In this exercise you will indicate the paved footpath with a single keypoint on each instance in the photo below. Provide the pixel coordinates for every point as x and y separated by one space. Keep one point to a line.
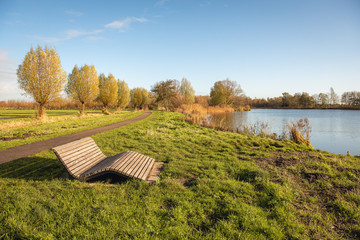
10 154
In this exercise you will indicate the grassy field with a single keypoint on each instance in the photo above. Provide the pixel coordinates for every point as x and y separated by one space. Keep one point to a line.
215 185
31 113
19 131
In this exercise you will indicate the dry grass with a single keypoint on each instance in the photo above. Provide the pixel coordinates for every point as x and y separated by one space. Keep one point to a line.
299 131
23 123
220 109
243 108
195 113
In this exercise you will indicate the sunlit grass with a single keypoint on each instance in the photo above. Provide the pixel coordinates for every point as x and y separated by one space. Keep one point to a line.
215 185
18 132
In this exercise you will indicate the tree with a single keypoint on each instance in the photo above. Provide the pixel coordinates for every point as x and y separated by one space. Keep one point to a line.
306 101
324 99
140 97
286 99
334 99
223 92
187 92
108 90
41 76
167 93
123 96
83 85
351 98
203 100
136 97
146 98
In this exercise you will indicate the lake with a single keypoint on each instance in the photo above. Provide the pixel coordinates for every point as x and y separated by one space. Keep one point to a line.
335 131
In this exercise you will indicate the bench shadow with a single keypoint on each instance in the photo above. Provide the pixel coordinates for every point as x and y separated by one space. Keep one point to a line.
110 178
42 169
33 168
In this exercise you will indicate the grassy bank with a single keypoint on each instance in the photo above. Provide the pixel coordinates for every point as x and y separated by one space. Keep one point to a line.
214 185
15 132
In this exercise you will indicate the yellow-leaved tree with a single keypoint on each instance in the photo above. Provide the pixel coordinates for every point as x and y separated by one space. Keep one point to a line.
187 92
123 97
41 76
140 97
136 97
108 90
83 85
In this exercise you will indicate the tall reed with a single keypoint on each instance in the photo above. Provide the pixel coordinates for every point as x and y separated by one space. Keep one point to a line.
298 131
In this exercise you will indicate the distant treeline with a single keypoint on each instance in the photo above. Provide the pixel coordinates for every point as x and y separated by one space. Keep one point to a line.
348 100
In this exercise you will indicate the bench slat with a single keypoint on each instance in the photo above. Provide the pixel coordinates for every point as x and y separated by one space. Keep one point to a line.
140 169
84 159
81 152
73 145
135 164
76 161
127 163
85 165
147 169
127 159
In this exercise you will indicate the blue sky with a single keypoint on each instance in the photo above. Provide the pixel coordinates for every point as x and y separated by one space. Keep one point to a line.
268 47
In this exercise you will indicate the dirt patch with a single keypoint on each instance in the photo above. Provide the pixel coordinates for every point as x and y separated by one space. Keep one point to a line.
345 169
284 162
311 177
186 182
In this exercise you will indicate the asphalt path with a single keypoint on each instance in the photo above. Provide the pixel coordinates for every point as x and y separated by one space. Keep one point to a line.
11 154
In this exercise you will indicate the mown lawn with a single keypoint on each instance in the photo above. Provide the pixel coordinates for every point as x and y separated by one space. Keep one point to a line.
215 185
15 132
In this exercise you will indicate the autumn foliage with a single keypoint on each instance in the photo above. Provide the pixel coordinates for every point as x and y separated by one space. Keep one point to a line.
41 76
83 85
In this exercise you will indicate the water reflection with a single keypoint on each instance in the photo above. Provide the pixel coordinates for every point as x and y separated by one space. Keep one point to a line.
221 120
336 131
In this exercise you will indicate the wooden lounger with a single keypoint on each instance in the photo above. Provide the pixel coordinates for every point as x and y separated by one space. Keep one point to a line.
84 160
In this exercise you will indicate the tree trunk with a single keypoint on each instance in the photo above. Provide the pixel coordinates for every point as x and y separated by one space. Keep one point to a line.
105 110
118 109
82 108
41 111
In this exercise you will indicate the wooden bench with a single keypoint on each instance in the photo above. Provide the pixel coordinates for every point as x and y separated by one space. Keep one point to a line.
84 160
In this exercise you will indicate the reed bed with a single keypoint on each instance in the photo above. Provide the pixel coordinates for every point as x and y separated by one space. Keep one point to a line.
298 131
219 109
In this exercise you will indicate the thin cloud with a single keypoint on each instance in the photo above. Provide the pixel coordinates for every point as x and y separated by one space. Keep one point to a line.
92 35
69 34
5 60
8 78
74 13
161 3
125 23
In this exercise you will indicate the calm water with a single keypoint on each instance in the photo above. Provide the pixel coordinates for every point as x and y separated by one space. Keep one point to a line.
335 131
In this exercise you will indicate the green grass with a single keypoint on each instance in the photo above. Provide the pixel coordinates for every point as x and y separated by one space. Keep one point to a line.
31 113
20 132
215 185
